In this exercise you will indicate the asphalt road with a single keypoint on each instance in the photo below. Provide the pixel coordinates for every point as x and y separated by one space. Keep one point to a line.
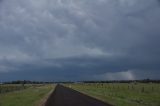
63 96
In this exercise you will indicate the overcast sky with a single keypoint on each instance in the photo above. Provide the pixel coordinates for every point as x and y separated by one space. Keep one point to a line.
64 40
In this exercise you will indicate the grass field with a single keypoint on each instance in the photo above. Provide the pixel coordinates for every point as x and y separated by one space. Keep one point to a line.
135 94
12 87
31 96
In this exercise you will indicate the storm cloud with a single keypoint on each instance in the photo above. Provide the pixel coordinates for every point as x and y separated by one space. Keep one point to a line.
79 39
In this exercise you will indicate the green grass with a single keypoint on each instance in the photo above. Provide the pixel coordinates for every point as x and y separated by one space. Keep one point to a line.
123 94
12 87
28 97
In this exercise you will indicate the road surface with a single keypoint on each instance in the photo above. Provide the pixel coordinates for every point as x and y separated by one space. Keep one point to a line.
63 96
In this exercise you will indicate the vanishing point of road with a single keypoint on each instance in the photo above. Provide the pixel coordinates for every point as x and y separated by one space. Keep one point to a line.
63 96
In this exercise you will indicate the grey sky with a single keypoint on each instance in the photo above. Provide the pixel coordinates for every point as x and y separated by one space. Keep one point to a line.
79 39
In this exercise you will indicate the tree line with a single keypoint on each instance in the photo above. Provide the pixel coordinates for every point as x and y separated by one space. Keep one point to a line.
107 81
124 81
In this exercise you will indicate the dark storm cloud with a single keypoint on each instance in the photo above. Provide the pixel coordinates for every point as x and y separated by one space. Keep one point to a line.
77 40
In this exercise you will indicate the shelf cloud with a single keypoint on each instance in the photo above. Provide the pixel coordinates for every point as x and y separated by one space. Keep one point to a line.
79 39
